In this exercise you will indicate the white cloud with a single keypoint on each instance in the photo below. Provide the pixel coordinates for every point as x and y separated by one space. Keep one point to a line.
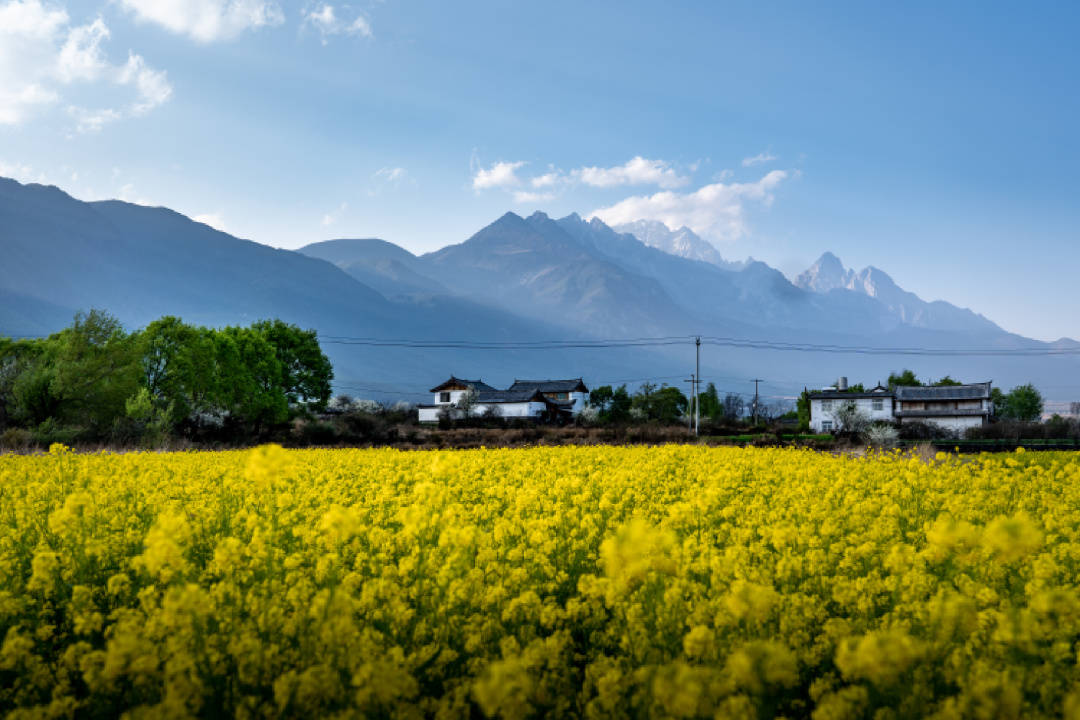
334 215
153 86
325 19
207 20
391 175
42 58
129 194
759 159
81 57
550 179
499 175
213 219
715 210
523 197
21 172
636 171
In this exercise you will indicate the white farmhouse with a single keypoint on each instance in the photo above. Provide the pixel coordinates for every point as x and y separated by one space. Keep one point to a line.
952 407
572 392
548 400
956 407
878 404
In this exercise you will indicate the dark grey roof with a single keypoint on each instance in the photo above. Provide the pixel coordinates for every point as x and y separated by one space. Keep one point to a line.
845 395
477 385
974 391
508 396
574 385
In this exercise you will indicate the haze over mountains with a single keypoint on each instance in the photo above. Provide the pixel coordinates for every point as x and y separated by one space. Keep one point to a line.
518 279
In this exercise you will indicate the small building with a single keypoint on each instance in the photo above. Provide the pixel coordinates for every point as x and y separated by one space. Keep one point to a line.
956 407
543 400
952 407
573 392
878 404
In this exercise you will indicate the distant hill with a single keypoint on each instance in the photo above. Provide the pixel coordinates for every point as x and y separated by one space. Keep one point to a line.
391 270
515 280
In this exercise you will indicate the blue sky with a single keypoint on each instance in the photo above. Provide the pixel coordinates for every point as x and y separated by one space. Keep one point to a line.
935 141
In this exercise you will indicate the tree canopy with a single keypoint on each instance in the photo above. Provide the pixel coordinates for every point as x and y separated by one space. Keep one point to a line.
96 381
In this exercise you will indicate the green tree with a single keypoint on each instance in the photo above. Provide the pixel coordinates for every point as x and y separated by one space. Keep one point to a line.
947 381
802 408
621 403
96 371
664 404
1024 403
306 372
905 378
600 398
711 406
249 377
178 367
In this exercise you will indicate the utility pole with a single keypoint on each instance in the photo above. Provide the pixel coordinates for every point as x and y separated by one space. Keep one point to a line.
697 384
690 415
756 381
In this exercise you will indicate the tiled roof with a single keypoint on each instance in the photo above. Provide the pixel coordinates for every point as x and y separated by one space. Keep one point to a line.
574 385
974 391
508 396
477 385
846 395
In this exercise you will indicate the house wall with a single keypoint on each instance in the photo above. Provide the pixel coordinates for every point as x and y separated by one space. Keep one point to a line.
513 410
823 420
579 399
506 410
955 423
455 395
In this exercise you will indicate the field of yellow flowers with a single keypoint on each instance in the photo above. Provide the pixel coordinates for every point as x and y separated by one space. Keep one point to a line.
567 582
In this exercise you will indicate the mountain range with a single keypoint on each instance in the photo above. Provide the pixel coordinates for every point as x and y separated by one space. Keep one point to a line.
517 279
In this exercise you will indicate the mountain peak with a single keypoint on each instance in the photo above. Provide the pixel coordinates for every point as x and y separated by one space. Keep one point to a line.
683 242
828 273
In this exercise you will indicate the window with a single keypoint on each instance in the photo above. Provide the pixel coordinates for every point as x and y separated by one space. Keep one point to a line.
826 404
444 397
877 404
827 425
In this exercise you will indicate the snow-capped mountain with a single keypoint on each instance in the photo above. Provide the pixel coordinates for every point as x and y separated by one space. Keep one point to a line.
683 242
829 274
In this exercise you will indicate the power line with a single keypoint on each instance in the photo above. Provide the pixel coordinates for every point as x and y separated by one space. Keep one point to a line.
746 343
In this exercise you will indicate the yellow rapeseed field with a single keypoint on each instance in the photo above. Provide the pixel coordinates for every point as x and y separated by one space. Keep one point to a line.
564 582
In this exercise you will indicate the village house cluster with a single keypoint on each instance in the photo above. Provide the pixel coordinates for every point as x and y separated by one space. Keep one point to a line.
954 407
544 400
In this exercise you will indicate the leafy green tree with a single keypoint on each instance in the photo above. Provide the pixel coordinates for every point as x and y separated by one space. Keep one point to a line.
1024 403
856 388
614 405
249 377
600 397
802 408
621 403
998 401
306 372
178 367
906 378
711 406
664 404
947 381
96 371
